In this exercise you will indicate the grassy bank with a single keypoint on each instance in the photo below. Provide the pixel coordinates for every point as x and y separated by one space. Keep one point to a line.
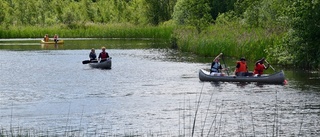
232 40
88 31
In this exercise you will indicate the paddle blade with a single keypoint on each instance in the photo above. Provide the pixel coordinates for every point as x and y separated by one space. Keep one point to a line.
85 61
89 61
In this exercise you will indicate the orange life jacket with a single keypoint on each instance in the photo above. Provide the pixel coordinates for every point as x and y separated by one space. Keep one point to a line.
243 67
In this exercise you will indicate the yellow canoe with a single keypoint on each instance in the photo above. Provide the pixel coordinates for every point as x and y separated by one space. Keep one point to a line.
52 42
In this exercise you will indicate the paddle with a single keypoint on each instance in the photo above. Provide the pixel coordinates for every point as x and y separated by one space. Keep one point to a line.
89 61
225 65
285 82
222 60
270 65
218 55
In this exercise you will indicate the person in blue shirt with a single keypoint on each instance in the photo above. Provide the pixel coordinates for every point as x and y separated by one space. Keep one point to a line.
93 55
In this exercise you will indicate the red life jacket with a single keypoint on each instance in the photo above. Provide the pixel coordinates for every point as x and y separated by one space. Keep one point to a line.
242 68
104 55
258 69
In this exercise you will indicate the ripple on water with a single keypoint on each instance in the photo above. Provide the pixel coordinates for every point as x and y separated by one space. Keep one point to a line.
144 92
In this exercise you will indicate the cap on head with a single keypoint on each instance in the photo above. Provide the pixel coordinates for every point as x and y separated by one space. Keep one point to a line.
242 59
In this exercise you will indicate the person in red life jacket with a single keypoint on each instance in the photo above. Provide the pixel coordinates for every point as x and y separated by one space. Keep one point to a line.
55 38
103 55
241 68
259 67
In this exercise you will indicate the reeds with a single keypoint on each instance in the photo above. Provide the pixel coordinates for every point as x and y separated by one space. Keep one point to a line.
218 121
89 31
196 112
232 40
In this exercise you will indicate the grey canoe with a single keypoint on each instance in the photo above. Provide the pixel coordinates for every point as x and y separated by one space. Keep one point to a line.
276 78
103 65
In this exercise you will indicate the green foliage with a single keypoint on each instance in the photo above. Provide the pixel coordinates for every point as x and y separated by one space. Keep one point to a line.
251 28
251 15
73 13
90 31
263 13
303 41
233 40
3 11
220 6
159 10
180 15
227 18
242 5
193 12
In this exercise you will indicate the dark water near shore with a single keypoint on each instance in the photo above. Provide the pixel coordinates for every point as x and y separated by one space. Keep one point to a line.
151 90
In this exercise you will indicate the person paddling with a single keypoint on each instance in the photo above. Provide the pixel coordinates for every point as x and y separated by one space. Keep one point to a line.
216 68
103 55
259 67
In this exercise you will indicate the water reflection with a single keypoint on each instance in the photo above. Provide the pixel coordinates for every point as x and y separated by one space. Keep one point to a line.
85 43
303 80
296 78
215 84
52 46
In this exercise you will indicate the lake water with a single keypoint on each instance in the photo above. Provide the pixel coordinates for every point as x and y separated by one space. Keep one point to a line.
151 90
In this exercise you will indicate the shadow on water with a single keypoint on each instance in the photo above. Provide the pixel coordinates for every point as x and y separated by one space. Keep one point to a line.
215 84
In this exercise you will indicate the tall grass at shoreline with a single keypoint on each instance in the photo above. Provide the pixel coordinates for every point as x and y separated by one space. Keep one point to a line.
232 40
89 31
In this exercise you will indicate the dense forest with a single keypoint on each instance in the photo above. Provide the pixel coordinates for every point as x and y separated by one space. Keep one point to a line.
287 31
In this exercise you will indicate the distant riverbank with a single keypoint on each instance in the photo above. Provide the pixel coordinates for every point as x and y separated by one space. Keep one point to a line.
232 40
90 31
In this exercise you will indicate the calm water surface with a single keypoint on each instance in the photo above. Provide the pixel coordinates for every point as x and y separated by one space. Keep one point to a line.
150 91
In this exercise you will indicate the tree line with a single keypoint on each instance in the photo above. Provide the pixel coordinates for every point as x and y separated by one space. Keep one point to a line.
296 22
77 12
